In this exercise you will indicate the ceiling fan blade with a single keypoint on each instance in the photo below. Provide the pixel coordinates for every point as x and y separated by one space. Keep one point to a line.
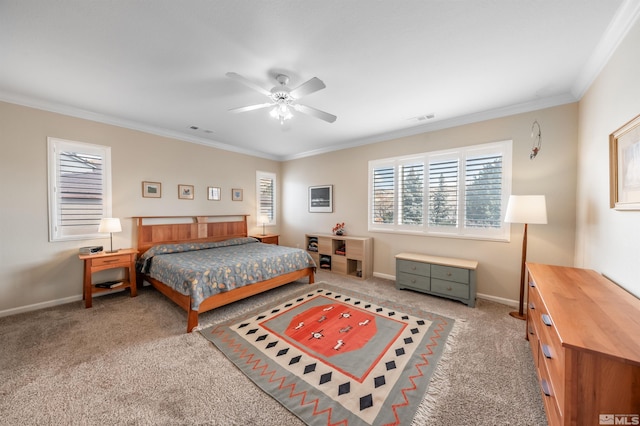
251 107
248 83
330 118
307 87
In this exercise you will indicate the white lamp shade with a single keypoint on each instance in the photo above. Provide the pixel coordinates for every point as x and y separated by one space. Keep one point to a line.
110 224
263 219
526 209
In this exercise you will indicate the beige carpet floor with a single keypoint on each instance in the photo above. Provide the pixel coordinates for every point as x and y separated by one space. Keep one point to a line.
128 361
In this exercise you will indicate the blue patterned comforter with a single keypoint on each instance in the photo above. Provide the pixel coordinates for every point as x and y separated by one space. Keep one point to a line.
201 270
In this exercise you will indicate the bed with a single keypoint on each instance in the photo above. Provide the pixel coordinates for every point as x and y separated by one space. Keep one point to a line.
204 262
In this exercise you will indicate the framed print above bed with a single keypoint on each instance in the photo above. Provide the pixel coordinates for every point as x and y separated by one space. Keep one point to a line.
151 189
213 193
185 192
321 199
624 166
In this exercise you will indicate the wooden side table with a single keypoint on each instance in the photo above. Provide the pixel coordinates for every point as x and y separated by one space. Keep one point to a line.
123 258
267 239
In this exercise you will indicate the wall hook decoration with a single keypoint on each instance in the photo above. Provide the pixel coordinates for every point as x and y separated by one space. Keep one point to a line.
537 143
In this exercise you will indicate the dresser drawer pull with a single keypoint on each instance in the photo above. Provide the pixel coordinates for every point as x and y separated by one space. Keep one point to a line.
532 284
110 260
413 281
448 274
546 319
545 387
546 351
413 268
532 306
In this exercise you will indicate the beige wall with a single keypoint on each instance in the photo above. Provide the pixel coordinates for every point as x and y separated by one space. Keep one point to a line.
36 271
571 170
552 173
608 240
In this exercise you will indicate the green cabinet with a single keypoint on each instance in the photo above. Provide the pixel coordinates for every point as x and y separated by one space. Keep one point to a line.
440 276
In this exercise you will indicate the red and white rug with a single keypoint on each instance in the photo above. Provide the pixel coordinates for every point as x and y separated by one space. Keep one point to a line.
335 357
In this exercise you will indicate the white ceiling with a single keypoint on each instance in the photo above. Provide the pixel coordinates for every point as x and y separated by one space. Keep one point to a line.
159 66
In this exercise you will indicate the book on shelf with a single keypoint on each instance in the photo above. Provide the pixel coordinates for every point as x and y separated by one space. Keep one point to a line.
110 284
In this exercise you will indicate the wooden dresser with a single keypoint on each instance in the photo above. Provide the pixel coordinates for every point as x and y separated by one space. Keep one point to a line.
584 332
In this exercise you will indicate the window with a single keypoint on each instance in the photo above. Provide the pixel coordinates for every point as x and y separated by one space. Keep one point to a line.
79 189
458 193
266 197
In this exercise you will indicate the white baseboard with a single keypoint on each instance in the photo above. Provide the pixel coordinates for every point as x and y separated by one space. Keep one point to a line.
37 306
502 300
384 276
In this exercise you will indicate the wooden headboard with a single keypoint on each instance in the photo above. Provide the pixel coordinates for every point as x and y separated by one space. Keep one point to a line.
153 230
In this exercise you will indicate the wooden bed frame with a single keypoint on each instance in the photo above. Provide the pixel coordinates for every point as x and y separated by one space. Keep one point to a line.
154 230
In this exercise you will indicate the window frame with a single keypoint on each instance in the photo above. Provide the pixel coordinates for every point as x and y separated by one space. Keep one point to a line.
460 230
58 231
260 175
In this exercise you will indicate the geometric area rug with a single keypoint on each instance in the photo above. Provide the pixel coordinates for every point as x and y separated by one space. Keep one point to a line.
337 357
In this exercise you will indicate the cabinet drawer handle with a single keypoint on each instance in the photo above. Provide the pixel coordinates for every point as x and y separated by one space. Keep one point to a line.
545 387
532 306
413 268
532 284
111 260
448 274
546 351
449 289
413 281
546 319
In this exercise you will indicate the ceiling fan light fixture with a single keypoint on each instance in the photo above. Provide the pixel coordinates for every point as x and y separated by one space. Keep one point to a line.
281 112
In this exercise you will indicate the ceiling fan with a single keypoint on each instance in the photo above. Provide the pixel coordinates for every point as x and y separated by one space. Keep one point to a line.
283 99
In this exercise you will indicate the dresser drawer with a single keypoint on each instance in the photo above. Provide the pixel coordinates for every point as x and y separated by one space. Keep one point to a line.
549 396
552 355
124 259
405 280
450 288
416 268
450 273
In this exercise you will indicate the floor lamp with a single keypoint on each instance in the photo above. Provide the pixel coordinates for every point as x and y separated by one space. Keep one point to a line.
525 209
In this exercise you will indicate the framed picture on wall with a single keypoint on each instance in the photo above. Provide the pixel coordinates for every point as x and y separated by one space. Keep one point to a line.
213 193
185 192
151 189
236 194
624 166
321 199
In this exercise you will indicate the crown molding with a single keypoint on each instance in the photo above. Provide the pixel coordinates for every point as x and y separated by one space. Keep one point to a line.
618 28
445 124
127 124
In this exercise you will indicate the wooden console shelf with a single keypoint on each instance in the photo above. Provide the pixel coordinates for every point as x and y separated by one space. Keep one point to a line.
584 332
342 254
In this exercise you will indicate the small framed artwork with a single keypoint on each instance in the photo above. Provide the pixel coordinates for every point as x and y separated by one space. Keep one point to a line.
151 189
624 166
185 192
213 193
321 199
236 194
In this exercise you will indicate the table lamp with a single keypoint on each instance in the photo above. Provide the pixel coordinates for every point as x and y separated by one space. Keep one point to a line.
110 225
525 209
264 219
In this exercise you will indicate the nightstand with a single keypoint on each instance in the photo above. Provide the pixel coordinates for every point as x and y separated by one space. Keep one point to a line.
267 239
123 258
